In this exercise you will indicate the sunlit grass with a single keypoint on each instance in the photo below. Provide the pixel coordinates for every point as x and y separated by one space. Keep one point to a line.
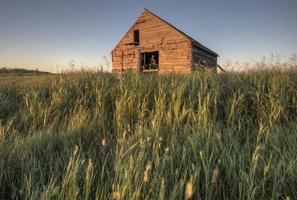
202 136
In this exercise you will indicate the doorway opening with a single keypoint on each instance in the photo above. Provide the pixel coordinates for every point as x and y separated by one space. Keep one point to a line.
149 61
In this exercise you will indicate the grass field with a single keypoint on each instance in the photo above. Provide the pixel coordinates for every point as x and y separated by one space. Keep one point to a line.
92 136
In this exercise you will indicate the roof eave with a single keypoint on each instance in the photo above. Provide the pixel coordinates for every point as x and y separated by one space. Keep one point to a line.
197 44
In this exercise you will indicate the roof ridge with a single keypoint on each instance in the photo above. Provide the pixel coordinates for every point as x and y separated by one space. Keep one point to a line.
189 37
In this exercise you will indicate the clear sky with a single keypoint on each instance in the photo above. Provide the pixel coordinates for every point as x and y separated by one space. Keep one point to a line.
51 33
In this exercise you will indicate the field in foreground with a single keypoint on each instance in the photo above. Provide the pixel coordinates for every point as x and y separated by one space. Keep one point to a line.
91 136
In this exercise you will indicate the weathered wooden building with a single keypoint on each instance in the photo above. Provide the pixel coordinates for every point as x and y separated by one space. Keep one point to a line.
154 45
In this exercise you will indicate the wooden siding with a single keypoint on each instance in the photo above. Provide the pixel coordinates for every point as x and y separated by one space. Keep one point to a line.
200 55
175 50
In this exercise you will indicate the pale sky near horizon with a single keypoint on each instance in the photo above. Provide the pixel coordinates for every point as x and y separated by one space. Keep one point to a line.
45 34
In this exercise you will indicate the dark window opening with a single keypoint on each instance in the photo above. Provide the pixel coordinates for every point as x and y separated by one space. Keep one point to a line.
200 62
203 63
150 61
136 37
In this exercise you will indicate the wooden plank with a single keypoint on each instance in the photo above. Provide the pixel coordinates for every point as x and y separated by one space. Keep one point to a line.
155 35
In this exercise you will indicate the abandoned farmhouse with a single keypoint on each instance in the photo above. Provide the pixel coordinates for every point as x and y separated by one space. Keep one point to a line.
152 45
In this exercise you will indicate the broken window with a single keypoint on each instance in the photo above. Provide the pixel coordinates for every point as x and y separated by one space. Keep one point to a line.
203 63
136 37
149 61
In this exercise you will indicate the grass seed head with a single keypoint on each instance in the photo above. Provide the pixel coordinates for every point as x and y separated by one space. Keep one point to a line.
288 198
201 155
255 159
215 174
76 148
167 150
266 169
189 189
116 195
262 129
147 172
103 142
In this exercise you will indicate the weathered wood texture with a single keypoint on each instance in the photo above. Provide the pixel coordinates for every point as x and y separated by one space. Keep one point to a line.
203 61
176 51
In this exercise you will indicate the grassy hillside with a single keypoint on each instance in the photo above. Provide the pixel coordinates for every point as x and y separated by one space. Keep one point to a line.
16 72
91 136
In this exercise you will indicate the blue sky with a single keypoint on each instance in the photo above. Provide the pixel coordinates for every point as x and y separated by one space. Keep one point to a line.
51 33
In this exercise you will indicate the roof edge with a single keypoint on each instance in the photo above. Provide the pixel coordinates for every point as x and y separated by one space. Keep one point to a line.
194 42
128 30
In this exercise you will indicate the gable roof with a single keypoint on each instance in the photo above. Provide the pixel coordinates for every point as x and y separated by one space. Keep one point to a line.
194 42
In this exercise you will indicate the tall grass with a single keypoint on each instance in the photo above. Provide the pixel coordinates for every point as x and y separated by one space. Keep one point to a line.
92 136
